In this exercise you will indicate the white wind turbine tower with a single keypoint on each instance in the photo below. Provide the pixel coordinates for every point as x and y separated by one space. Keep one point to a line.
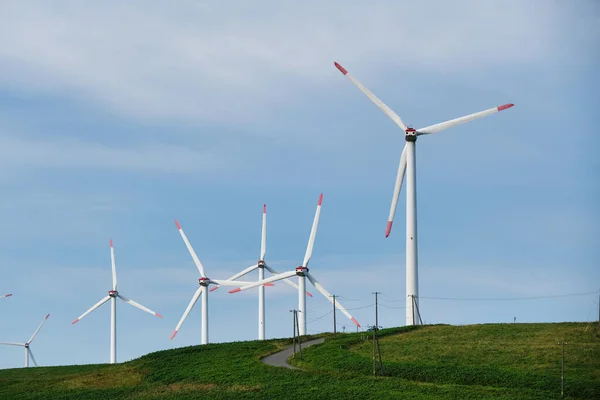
28 353
201 291
112 296
261 266
302 273
408 166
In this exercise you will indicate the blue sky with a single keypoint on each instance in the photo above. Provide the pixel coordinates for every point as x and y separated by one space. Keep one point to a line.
115 119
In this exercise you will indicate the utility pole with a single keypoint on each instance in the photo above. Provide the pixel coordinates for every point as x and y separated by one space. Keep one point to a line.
294 331
377 363
334 323
415 306
298 332
376 309
562 370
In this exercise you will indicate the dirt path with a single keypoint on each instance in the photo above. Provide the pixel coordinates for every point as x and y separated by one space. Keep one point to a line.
280 358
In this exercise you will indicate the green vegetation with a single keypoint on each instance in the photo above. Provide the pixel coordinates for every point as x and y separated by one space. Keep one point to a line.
525 357
508 361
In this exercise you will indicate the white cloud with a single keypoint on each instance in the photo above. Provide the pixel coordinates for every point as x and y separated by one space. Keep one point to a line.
72 153
214 61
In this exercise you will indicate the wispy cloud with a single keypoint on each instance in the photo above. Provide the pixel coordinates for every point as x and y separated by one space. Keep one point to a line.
198 60
72 153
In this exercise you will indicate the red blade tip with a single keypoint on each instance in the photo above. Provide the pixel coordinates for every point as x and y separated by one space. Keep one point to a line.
342 69
308 293
269 284
356 322
47 316
320 199
8 295
388 229
173 335
264 208
235 290
75 321
505 106
177 225
111 245
158 315
213 288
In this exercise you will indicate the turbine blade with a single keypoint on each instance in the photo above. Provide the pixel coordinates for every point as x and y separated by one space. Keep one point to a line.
388 111
289 282
5 295
114 267
32 358
397 188
12 344
457 121
238 275
187 310
313 233
263 241
191 250
222 282
327 295
264 281
38 329
138 305
98 304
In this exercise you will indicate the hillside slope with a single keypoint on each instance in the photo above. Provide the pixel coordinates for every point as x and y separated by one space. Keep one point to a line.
341 369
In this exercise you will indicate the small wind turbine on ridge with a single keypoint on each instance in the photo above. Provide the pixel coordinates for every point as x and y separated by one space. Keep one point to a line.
408 166
204 282
302 273
112 296
28 353
261 266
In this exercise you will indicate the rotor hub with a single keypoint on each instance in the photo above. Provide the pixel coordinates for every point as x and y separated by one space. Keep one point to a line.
261 263
113 293
300 271
410 135
204 281
26 345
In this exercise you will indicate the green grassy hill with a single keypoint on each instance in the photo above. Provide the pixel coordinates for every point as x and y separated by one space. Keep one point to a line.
492 361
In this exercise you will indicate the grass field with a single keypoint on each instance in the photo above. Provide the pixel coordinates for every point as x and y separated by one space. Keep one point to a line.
495 361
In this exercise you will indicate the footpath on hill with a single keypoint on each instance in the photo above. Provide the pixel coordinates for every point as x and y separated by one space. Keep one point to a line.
280 358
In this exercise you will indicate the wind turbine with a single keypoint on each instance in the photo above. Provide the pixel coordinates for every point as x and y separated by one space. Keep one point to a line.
202 290
261 266
28 353
302 273
112 296
408 166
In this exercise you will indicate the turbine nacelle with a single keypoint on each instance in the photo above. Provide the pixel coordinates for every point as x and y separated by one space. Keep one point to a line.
410 135
261 263
301 271
204 281
113 293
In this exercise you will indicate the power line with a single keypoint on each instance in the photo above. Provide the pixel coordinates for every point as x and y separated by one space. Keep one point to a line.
507 298
383 305
321 317
359 308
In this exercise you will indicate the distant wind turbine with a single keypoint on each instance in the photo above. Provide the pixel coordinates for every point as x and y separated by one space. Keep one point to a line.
302 273
28 353
112 296
204 283
261 266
